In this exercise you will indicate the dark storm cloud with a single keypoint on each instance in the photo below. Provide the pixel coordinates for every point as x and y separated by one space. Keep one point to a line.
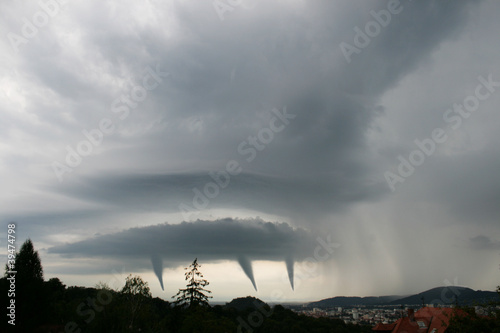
220 240
323 170
466 185
228 239
484 243
404 44
299 198
225 79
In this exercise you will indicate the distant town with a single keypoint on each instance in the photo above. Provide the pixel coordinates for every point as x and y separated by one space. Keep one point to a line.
404 314
362 314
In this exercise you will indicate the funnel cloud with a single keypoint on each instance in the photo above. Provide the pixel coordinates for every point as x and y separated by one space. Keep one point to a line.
81 156
158 268
289 268
176 244
246 265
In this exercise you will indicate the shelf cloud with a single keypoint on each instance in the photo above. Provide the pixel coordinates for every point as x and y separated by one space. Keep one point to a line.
117 116
178 244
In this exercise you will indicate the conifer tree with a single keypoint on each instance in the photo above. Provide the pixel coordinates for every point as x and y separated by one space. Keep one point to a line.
194 293
31 305
28 264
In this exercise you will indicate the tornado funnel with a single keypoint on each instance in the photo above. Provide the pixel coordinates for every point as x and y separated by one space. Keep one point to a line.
158 268
246 265
289 268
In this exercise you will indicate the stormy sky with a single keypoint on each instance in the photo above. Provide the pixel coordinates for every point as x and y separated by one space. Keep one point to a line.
336 147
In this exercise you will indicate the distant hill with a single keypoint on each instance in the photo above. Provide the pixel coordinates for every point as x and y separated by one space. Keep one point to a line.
446 295
245 303
353 300
439 295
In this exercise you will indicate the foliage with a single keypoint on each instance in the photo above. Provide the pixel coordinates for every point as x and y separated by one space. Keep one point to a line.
467 319
103 286
245 303
57 308
28 264
30 297
71 305
194 293
135 286
136 292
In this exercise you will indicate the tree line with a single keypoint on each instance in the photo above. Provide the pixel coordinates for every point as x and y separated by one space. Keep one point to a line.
50 306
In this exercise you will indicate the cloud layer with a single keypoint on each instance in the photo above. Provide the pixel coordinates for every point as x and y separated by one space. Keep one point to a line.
228 239
122 115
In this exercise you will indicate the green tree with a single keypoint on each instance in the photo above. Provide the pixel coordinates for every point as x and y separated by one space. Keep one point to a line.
53 291
31 305
135 286
103 286
194 293
137 293
27 264
465 319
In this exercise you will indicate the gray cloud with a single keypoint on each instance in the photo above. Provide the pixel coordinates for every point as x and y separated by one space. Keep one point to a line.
228 239
295 198
324 171
320 162
483 243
